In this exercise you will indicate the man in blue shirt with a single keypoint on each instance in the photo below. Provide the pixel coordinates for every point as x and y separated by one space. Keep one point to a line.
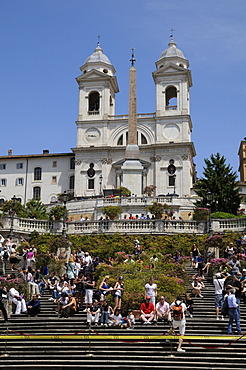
233 312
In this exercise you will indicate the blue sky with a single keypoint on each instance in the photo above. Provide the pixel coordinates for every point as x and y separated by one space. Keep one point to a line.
44 42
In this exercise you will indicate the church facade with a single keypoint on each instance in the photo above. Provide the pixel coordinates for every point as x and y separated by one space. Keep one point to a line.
100 161
163 138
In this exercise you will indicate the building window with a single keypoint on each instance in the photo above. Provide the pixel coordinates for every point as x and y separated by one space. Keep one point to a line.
172 180
2 166
36 193
3 182
91 184
54 180
37 173
1 201
19 165
19 181
171 98
71 182
53 199
123 139
72 163
94 102
54 164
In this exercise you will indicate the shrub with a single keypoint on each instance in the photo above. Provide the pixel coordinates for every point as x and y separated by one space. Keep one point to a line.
222 215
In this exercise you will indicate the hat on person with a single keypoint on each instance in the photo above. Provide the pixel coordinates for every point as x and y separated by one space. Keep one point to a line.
218 275
86 253
244 270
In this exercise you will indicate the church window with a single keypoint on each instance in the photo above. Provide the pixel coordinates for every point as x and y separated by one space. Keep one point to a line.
72 163
91 183
111 101
1 201
54 164
143 139
181 65
94 102
37 173
171 98
36 192
91 172
120 140
71 182
105 70
171 181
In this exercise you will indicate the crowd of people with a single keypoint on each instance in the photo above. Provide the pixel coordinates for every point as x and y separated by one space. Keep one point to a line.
76 289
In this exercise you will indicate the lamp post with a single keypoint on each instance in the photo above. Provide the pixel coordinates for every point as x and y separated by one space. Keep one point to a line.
100 185
64 198
14 201
209 204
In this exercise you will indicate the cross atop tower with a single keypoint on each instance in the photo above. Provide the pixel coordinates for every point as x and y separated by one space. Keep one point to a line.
133 57
98 40
172 33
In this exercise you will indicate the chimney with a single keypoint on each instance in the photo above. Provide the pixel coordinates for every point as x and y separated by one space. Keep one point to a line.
46 151
10 152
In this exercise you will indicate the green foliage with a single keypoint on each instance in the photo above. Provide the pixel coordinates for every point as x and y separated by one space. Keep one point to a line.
220 181
124 192
57 213
200 214
35 209
157 209
223 215
112 211
8 206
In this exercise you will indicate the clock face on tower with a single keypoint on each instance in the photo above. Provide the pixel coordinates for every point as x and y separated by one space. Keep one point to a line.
92 135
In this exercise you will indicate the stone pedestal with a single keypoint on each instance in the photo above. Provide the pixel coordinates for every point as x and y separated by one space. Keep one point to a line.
132 171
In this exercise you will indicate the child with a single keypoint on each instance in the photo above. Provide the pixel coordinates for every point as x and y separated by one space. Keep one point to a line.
130 320
189 304
116 318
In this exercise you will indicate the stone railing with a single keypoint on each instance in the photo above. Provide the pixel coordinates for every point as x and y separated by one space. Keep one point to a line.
26 226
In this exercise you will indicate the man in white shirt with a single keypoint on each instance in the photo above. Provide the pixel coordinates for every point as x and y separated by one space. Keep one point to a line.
233 312
162 310
219 282
20 302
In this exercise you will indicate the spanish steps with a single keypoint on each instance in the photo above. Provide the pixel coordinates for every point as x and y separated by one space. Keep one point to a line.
112 352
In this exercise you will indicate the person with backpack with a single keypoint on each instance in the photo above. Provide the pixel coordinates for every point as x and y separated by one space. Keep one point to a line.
4 258
178 311
219 282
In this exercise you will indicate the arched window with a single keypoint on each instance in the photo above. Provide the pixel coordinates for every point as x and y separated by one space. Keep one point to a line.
171 98
53 199
1 200
72 163
123 139
94 102
37 173
71 182
36 192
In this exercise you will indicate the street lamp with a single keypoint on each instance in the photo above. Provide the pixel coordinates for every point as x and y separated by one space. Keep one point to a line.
209 204
64 197
14 201
100 185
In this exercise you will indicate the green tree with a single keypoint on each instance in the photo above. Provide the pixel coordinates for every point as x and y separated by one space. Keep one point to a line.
35 209
57 213
8 206
157 209
220 181
112 211
124 192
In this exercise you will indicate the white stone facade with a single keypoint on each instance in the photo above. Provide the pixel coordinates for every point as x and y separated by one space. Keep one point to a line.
98 160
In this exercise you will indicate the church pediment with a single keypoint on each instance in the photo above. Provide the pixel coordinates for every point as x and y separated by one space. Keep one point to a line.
93 74
170 68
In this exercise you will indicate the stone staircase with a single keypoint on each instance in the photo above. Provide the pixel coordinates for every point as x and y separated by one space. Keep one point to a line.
61 353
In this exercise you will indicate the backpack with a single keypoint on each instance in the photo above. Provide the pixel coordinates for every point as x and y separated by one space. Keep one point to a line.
178 312
225 308
5 255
